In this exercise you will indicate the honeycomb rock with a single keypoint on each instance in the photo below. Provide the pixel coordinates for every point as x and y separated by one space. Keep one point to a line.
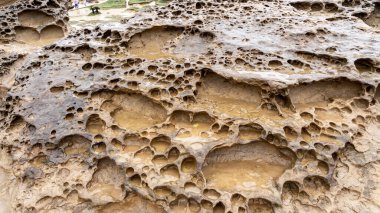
198 106
37 22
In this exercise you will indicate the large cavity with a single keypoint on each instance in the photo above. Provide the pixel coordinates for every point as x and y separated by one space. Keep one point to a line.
244 167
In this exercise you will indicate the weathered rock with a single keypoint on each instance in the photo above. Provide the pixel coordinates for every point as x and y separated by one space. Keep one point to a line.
200 106
36 22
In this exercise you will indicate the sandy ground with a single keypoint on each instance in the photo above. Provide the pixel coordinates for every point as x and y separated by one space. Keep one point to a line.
80 18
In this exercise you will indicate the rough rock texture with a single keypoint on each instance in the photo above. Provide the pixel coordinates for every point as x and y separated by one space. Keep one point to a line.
33 21
200 106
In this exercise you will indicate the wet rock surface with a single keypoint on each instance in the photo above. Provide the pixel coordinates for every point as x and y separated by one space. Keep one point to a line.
199 106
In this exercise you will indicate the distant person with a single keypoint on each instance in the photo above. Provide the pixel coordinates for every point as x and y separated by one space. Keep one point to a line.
76 4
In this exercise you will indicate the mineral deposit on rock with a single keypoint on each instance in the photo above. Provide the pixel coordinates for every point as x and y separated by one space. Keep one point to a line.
199 106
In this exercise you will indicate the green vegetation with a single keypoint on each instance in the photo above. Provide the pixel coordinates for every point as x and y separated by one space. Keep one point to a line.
162 2
110 4
133 8
131 2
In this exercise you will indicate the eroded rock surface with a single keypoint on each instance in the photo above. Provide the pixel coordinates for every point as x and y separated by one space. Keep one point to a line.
199 106
35 22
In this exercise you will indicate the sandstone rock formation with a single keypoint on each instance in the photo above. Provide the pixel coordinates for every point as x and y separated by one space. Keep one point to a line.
33 21
199 106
